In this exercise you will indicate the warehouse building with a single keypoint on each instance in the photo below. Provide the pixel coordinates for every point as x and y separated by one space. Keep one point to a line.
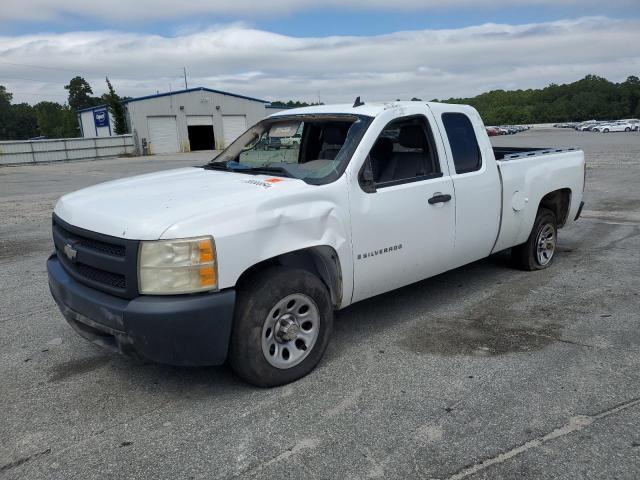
193 119
95 122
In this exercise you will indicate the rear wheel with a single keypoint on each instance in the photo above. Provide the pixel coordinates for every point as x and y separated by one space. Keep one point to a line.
538 251
606 130
282 326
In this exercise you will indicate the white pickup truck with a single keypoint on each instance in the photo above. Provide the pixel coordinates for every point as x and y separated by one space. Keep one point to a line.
246 258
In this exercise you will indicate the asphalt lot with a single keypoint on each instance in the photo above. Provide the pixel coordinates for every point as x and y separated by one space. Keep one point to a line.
483 372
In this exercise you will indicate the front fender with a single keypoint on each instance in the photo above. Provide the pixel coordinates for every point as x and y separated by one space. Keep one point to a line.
248 234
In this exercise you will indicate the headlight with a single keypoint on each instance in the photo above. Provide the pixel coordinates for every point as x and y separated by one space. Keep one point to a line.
168 267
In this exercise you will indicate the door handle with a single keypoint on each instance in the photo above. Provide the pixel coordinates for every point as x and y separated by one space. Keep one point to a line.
439 198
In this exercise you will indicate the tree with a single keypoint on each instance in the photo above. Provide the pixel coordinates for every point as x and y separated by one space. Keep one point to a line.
23 123
55 120
632 93
5 112
80 94
592 97
292 104
17 122
114 102
5 97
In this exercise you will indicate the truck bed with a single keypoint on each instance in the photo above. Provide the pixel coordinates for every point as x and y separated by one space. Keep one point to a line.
512 153
527 175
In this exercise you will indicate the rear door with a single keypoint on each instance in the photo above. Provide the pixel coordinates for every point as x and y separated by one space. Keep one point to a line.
475 179
403 220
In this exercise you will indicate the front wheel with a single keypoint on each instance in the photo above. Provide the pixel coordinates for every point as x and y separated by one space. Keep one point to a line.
538 251
627 129
282 326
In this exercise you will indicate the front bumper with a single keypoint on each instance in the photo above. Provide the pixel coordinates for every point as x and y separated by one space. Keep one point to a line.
185 330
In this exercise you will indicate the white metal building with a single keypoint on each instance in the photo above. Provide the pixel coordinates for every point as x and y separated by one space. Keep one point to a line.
193 119
95 122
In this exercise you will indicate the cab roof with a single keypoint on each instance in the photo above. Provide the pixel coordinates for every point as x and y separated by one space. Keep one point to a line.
368 109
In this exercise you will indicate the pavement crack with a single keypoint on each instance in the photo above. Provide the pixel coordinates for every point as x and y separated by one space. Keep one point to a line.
560 339
576 423
614 243
304 444
23 460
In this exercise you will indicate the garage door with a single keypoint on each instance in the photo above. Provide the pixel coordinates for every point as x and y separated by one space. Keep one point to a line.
163 134
233 126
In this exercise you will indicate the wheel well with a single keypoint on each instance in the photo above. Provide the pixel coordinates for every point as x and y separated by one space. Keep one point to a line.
322 261
558 202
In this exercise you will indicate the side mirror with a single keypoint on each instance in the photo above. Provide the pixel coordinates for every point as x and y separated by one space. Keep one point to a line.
366 180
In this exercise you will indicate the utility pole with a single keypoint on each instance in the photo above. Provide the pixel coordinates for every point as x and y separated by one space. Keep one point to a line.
184 69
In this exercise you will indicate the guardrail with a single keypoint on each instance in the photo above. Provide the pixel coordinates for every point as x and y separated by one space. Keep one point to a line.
18 152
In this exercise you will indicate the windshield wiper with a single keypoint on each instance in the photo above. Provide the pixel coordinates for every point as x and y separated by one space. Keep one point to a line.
216 166
230 166
270 170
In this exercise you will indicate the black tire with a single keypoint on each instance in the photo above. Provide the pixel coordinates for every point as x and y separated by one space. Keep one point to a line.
256 299
606 130
525 256
627 129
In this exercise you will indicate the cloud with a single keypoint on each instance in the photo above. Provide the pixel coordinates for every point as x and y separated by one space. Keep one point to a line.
425 63
128 10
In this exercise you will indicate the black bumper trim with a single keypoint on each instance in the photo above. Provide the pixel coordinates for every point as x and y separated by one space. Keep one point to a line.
185 330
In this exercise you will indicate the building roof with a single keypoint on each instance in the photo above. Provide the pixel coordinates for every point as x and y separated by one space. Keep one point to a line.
96 107
195 89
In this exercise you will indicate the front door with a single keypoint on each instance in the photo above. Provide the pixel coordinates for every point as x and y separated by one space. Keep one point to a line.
403 220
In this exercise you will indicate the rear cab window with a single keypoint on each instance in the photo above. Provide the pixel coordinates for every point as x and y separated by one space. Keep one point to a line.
463 142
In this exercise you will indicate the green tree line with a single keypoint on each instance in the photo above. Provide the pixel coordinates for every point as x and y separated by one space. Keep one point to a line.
21 121
591 98
292 104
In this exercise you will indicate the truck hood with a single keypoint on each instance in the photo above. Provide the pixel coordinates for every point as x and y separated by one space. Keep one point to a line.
145 206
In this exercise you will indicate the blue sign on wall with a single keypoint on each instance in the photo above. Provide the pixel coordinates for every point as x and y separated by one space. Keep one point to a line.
101 118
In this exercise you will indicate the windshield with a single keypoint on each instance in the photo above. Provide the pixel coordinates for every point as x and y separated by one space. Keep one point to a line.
313 148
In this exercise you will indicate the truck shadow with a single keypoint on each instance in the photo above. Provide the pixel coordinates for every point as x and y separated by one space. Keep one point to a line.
510 319
428 318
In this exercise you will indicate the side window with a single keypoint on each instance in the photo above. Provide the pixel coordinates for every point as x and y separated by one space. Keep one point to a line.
404 152
463 141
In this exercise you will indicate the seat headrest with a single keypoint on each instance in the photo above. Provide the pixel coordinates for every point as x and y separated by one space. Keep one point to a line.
333 135
412 136
382 146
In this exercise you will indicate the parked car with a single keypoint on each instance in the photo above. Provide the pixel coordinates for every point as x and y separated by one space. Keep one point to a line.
613 127
493 131
246 261
268 143
291 142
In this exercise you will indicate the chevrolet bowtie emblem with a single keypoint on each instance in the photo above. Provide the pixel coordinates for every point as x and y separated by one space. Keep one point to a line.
70 252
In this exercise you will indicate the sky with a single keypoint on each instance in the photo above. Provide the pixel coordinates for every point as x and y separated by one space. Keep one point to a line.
331 50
